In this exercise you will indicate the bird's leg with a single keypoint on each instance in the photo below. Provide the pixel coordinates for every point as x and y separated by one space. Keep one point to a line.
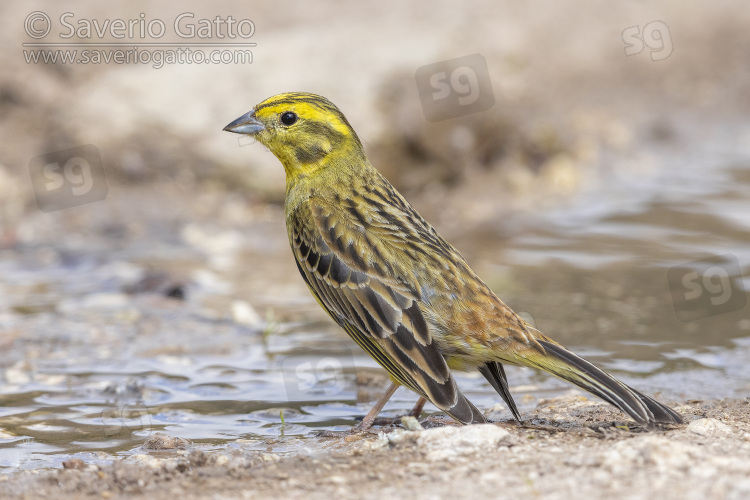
366 422
417 410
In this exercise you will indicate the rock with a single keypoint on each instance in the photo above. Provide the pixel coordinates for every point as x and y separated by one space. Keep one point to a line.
157 282
411 424
161 441
710 427
447 443
74 463
382 442
654 452
198 458
147 461
244 314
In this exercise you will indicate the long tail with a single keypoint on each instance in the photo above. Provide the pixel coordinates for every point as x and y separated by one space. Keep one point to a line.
573 368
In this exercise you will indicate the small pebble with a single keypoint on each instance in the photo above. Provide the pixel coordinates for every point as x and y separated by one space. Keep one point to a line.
411 424
161 441
709 427
74 463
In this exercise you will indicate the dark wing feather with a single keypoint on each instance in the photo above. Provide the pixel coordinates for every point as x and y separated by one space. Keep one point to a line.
379 310
495 375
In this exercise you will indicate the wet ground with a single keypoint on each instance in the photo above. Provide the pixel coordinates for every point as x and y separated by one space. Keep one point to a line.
567 447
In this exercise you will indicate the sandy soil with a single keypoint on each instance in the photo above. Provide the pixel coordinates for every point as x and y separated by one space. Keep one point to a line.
567 447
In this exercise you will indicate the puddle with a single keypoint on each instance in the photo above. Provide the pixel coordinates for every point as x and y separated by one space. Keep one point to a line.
88 370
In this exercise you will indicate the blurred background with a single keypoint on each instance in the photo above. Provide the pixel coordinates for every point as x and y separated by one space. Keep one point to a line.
591 161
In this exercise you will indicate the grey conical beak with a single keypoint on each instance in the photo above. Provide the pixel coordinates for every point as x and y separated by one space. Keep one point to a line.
245 124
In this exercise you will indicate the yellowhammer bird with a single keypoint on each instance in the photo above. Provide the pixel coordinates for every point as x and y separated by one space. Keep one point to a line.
400 291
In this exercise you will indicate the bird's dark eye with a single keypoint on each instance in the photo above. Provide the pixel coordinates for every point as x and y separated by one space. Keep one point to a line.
288 118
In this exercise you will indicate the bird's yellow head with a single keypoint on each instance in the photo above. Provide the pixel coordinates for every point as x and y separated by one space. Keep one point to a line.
304 131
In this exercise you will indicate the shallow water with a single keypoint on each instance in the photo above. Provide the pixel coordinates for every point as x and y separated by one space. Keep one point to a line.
92 371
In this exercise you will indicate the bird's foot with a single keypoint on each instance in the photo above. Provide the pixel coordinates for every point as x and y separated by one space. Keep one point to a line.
358 431
389 421
347 434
